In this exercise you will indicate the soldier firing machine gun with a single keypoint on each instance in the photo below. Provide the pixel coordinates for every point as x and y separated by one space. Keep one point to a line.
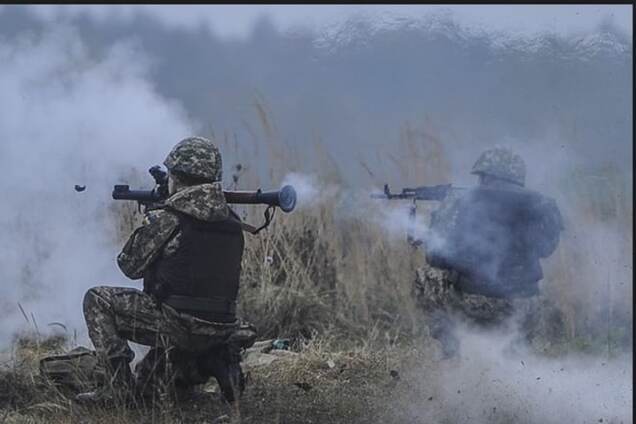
437 192
285 198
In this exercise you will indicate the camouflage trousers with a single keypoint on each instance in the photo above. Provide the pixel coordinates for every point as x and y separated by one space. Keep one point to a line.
115 315
444 307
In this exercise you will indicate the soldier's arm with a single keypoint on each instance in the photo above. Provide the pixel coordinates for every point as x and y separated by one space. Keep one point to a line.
547 228
145 243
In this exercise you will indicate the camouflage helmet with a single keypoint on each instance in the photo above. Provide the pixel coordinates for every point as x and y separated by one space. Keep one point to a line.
503 163
196 157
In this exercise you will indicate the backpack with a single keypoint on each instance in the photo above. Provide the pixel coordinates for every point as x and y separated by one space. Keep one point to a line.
78 369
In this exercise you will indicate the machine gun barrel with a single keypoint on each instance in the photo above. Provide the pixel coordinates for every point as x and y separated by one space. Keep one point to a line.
437 192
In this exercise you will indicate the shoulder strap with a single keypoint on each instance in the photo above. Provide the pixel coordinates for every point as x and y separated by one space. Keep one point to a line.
268 214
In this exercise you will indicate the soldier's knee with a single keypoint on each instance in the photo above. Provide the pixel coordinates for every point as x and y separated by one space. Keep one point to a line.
92 298
92 293
97 290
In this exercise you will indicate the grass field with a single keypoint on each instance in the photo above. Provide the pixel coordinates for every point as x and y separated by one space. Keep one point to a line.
339 285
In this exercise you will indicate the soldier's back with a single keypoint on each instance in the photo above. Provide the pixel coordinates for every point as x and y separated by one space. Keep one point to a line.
493 237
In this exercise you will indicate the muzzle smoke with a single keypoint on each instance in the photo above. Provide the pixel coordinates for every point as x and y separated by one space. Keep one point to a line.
309 192
69 119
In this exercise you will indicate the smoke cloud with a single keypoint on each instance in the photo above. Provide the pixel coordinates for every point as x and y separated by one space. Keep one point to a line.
309 191
487 384
92 102
69 119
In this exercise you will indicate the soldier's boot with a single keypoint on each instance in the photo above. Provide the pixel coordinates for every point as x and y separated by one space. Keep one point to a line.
152 375
119 390
224 365
231 381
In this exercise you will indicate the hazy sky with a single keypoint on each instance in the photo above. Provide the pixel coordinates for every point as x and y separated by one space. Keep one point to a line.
235 20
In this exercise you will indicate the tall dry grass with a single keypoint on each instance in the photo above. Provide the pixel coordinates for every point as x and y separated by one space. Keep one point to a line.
591 272
318 271
311 274
345 281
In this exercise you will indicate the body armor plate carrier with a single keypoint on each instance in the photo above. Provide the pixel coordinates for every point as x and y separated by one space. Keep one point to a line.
202 277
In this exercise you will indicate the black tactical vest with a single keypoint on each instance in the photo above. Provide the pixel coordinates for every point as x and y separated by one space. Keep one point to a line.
202 277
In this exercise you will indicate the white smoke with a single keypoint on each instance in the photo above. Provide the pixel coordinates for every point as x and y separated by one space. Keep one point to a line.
392 216
310 192
488 384
396 218
68 118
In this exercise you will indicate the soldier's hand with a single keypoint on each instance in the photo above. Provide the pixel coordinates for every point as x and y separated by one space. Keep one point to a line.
150 216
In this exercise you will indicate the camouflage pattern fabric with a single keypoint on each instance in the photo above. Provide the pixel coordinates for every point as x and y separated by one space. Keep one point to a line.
540 323
189 347
159 236
205 202
185 350
501 162
145 243
434 290
196 156
443 306
117 314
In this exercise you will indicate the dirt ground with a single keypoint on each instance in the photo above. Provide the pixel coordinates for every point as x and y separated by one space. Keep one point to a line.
397 384
319 384
313 386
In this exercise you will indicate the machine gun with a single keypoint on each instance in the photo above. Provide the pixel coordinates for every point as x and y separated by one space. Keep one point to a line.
285 198
437 192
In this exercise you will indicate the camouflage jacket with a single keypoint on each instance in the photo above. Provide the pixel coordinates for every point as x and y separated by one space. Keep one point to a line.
159 233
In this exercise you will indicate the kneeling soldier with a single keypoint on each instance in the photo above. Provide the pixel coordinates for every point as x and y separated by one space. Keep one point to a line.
188 252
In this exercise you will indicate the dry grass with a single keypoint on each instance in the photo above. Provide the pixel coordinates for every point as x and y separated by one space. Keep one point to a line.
321 384
317 271
341 289
310 274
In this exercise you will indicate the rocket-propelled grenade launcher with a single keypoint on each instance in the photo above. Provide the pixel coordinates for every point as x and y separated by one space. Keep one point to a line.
285 198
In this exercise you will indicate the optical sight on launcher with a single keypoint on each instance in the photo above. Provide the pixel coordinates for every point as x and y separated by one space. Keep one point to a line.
285 198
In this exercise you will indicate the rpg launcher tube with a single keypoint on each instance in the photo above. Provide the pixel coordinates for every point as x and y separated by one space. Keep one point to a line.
285 198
